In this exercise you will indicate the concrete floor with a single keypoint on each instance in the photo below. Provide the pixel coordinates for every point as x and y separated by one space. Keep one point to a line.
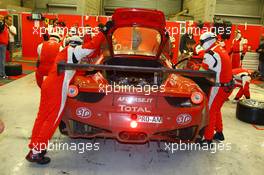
18 106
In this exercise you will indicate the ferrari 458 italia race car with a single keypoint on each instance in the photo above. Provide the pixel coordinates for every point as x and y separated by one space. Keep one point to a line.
132 92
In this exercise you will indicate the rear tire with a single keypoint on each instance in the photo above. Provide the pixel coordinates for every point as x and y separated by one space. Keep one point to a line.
62 128
250 111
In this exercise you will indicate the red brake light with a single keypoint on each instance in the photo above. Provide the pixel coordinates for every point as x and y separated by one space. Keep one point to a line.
197 97
134 117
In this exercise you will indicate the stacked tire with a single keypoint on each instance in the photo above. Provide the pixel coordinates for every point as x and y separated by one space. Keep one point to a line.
250 111
13 69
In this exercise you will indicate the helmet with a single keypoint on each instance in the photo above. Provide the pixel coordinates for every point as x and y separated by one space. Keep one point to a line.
55 36
75 41
207 39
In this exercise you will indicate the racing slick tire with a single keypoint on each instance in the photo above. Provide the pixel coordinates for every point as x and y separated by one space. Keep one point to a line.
250 111
13 69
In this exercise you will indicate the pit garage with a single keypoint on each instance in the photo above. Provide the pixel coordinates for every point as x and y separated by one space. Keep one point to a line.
131 87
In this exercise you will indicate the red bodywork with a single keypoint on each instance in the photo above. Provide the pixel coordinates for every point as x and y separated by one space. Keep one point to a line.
133 117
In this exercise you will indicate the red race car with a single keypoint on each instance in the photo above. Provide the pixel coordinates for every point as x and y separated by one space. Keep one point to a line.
131 92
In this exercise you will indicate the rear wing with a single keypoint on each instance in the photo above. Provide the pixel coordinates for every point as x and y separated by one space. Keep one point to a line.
209 75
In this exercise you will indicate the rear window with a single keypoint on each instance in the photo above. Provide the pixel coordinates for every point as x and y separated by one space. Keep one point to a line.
136 41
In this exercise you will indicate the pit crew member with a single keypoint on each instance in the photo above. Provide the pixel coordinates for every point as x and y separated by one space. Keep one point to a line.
47 52
54 95
216 59
242 78
238 49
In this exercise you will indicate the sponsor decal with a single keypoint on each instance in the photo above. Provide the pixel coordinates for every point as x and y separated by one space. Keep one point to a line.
131 100
125 108
149 119
184 119
83 112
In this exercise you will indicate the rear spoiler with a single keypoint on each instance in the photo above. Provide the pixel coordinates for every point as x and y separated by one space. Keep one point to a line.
62 66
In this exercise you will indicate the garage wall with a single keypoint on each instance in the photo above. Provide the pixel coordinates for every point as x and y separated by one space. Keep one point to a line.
4 3
167 6
15 5
90 7
238 11
57 6
200 9
83 7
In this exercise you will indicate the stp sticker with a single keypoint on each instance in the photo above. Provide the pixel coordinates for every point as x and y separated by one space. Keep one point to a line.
83 112
184 119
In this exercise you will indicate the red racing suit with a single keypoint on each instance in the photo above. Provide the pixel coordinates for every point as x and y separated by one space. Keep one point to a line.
217 59
47 51
238 50
242 80
54 93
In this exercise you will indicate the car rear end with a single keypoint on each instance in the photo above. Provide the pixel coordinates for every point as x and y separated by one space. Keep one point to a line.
171 113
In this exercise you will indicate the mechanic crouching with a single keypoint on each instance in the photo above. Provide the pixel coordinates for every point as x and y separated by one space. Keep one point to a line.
242 78
54 94
216 59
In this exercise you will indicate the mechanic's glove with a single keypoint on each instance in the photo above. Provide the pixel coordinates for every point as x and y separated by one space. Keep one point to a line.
105 28
242 56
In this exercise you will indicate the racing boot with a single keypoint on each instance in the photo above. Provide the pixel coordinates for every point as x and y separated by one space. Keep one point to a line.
38 158
43 152
219 136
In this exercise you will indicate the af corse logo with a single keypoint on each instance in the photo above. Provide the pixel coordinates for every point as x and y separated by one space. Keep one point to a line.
83 112
184 119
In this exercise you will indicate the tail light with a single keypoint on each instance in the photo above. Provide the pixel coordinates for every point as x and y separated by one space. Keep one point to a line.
133 124
73 91
197 97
